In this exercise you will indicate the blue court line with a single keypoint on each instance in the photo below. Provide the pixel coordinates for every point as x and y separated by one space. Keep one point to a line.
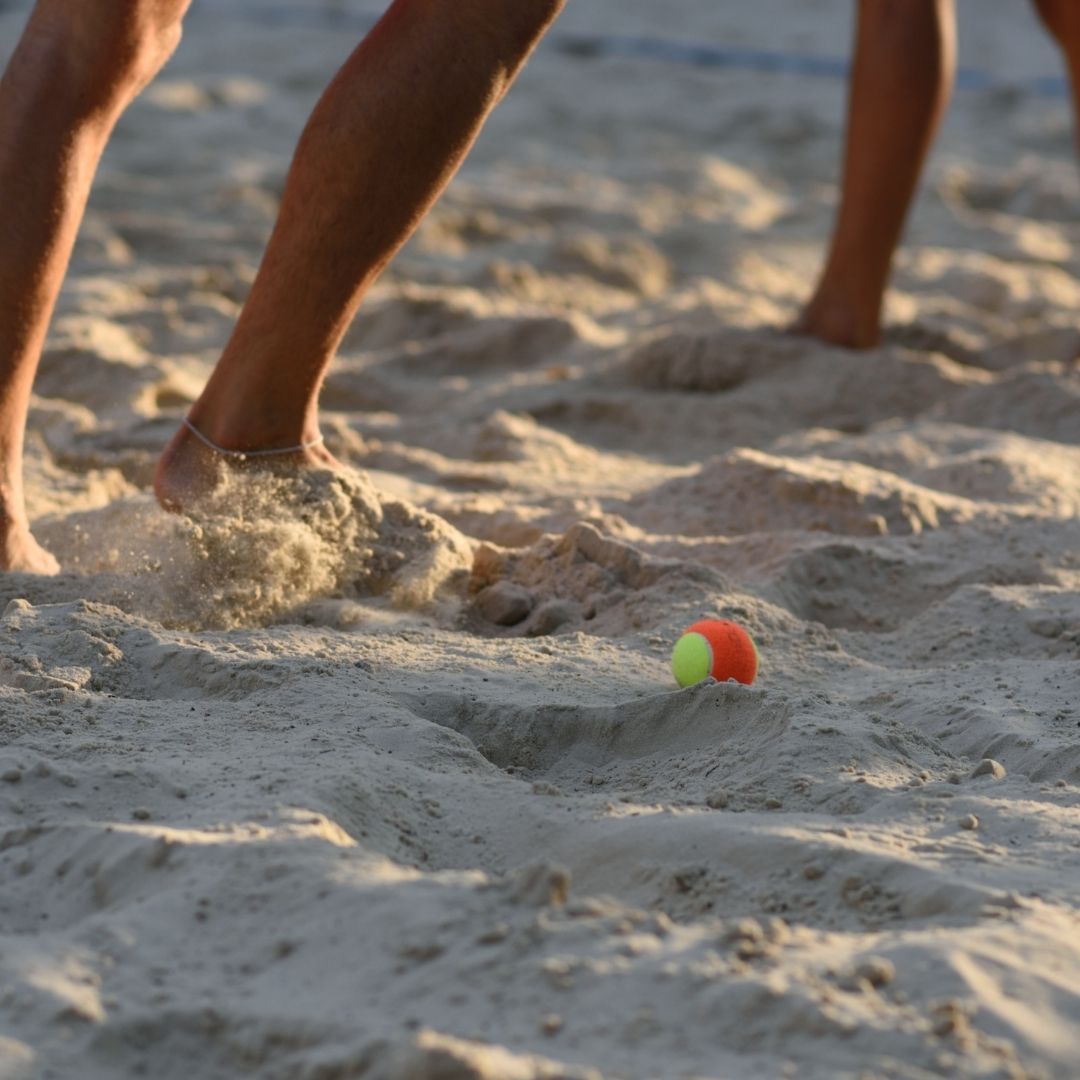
661 50
696 54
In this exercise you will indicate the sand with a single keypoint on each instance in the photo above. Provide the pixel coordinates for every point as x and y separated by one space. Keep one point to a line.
395 782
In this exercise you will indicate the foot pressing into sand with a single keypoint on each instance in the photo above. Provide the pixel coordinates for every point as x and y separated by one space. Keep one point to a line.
19 551
190 471
838 318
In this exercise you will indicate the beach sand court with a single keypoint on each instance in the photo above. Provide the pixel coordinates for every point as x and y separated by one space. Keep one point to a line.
395 782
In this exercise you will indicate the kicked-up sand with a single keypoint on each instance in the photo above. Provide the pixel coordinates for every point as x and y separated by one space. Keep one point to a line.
387 778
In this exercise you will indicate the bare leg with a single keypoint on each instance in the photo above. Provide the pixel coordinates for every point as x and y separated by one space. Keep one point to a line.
1062 19
382 144
901 80
73 72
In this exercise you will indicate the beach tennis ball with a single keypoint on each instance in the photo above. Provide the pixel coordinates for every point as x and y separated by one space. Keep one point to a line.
714 647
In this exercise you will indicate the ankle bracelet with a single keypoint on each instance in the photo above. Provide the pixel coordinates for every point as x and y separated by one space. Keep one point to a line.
249 453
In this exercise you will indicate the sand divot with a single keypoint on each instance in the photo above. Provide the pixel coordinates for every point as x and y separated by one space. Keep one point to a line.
691 741
1042 400
1031 189
838 585
711 363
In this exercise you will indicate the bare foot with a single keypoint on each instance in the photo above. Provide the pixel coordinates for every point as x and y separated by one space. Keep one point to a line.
20 552
189 472
838 322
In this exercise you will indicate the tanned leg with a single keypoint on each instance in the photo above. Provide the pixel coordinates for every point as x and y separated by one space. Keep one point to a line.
905 55
73 72
1062 19
382 144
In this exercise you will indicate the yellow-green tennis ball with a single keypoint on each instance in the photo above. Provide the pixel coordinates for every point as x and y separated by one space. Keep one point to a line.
691 659
714 647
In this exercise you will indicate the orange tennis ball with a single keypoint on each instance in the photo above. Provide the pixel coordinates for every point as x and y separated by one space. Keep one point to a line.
714 647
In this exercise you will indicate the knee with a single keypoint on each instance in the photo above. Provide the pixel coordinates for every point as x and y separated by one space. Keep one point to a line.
122 41
141 35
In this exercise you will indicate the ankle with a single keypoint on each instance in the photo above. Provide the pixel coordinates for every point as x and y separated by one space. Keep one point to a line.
256 429
251 450
12 508
842 318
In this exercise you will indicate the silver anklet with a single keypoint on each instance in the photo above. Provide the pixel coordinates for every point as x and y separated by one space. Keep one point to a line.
249 453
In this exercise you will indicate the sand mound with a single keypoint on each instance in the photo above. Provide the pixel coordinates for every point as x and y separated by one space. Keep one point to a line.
749 491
